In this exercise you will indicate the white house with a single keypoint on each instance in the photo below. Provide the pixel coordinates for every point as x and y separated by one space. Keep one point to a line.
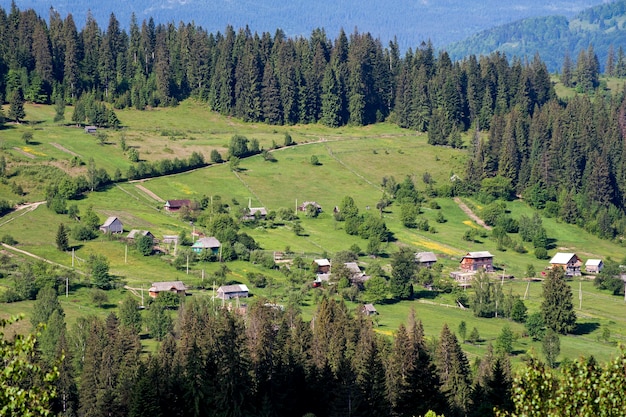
594 266
226 292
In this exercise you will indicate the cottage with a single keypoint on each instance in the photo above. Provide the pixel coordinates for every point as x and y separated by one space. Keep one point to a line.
304 206
206 244
321 266
175 205
136 234
569 262
475 261
357 276
112 225
254 213
369 310
176 287
425 259
594 266
91 129
226 292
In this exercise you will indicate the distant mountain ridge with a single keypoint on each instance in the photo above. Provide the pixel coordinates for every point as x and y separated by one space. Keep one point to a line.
410 22
552 37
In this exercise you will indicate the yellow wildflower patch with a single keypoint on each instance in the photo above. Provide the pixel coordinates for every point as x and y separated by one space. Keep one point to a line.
470 224
385 332
31 151
434 246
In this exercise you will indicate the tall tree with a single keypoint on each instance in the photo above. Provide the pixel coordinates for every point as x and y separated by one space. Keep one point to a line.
403 273
557 307
16 106
454 373
62 240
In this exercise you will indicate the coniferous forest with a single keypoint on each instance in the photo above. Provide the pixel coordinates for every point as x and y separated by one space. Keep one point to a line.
566 157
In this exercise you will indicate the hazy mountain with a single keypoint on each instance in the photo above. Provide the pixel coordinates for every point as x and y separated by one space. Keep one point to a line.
441 21
601 26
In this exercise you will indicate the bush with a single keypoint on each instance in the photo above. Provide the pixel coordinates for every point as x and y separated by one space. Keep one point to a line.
9 240
541 253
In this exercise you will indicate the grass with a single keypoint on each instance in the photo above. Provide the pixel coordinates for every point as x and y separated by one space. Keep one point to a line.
353 161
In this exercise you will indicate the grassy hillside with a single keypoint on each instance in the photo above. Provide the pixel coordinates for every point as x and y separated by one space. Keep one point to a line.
352 162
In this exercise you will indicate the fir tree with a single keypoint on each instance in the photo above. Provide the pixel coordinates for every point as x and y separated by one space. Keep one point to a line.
16 106
557 307
62 240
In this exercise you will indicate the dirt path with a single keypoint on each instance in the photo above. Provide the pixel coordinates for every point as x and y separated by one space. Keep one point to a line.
26 154
470 213
64 149
27 208
150 193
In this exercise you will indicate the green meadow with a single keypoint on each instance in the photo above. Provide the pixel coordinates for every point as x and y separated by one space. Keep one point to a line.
352 162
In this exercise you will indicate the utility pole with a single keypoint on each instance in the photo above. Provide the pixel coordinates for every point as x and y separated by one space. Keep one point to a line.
125 254
67 286
187 264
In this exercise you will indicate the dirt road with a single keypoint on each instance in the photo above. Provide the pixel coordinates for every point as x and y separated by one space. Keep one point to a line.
470 213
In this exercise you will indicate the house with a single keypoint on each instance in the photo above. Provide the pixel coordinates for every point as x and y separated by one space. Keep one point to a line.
206 244
226 292
91 129
594 266
475 261
175 205
321 266
304 206
170 239
369 310
136 234
425 259
176 287
569 262
112 225
463 278
357 276
254 213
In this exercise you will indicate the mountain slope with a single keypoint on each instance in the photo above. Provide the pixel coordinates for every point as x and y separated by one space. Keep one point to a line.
411 22
552 37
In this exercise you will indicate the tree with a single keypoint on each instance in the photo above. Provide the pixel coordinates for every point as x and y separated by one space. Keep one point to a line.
504 342
216 157
463 330
158 321
551 347
145 245
474 336
403 273
557 307
16 106
47 303
375 289
519 312
25 388
59 108
62 240
99 269
454 372
27 137
129 314
535 326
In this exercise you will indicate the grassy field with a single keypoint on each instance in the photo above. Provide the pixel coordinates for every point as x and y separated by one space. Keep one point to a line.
353 162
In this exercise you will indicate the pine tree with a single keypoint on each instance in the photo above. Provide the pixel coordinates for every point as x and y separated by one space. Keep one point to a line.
557 307
62 240
16 106
403 273
454 373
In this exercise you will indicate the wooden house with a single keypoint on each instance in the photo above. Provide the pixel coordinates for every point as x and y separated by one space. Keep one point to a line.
357 276
321 266
569 262
254 213
304 206
594 266
226 292
475 261
170 239
175 205
425 259
136 234
206 244
112 225
369 310
176 287
91 129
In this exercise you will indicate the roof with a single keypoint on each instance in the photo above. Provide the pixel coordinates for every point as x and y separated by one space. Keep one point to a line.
261 210
322 262
226 289
310 203
483 254
136 233
110 221
593 262
353 267
562 258
177 203
167 286
369 308
207 242
425 257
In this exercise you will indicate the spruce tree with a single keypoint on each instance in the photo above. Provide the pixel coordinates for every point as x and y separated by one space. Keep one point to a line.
16 106
557 307
62 240
454 373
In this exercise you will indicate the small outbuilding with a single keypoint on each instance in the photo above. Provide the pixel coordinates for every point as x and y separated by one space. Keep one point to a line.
321 266
112 225
91 129
369 310
226 292
594 266
175 205
425 259
254 213
176 287
136 234
304 206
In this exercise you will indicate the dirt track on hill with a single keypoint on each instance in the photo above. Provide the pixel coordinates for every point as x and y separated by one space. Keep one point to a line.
470 213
